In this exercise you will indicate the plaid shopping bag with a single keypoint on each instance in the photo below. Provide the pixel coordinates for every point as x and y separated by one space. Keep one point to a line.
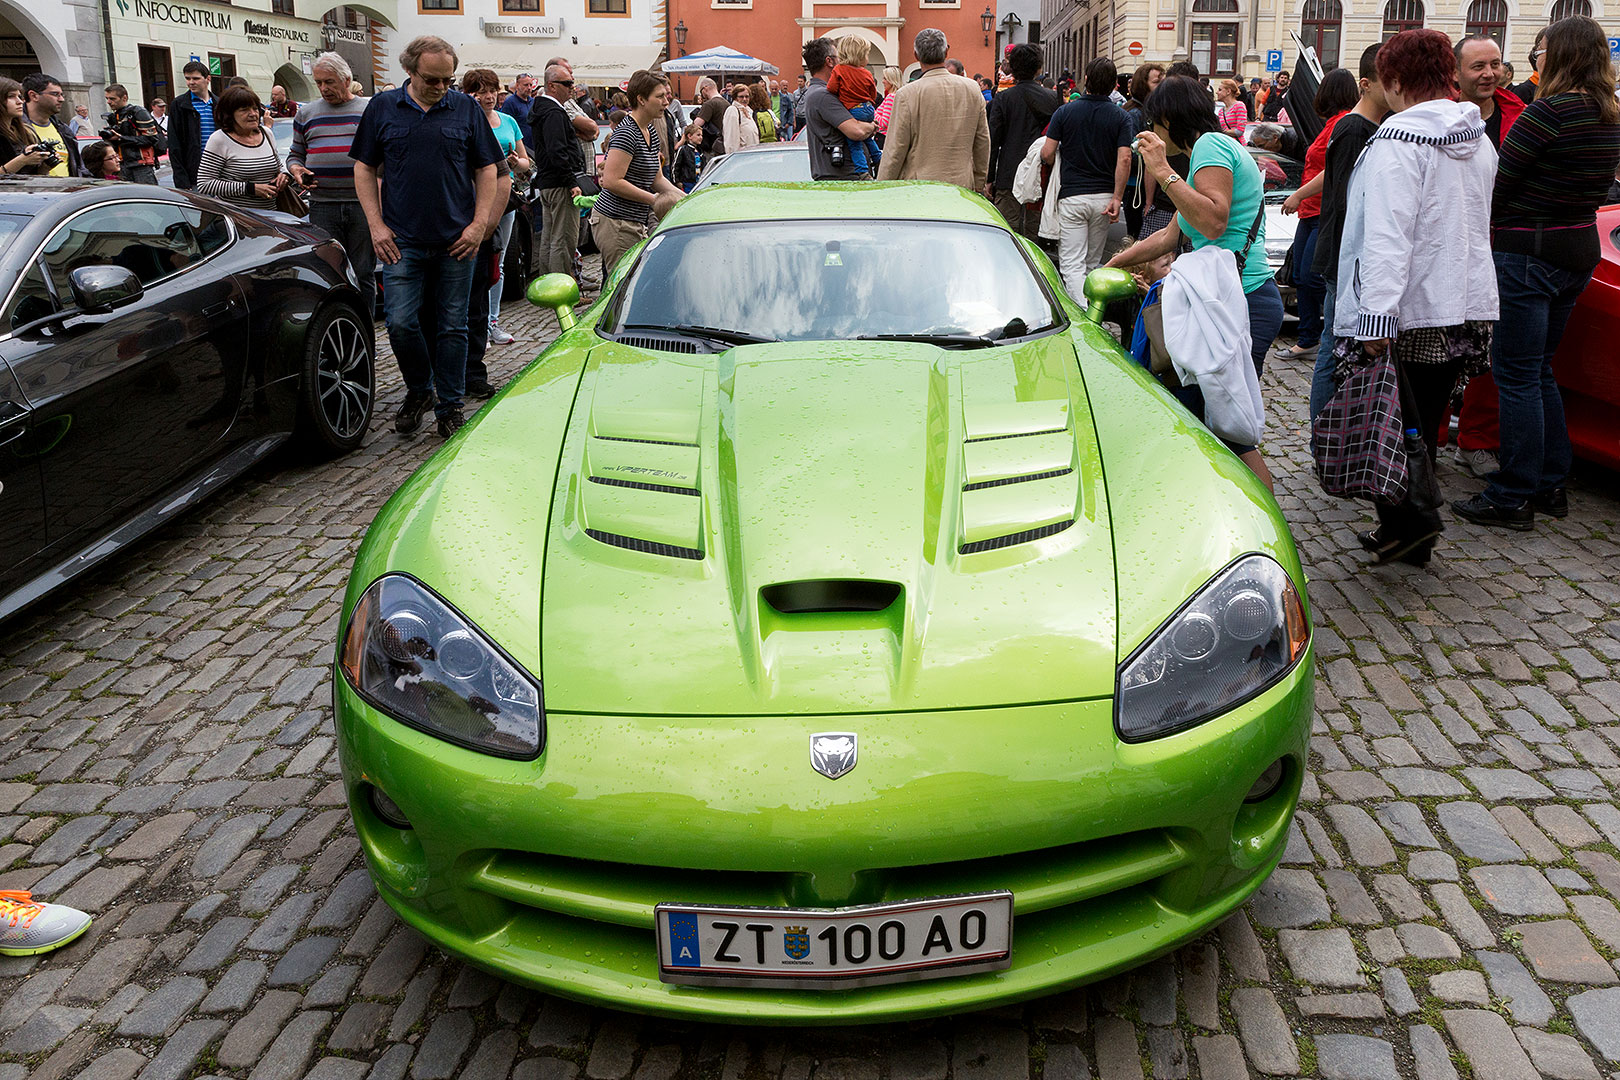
1358 441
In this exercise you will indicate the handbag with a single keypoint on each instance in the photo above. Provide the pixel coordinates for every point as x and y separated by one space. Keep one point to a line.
288 201
1358 441
1285 273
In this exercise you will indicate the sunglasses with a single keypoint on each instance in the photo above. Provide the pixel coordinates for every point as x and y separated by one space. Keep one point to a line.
563 82
431 81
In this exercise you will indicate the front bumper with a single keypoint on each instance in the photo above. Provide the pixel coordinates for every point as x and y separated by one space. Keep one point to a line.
547 872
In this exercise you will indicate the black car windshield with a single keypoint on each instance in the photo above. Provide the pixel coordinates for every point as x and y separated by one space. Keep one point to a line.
835 280
10 226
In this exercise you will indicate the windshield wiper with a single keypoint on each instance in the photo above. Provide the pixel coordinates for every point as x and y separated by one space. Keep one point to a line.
947 341
731 337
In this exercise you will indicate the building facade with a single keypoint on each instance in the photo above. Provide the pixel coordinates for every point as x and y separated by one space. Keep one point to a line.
604 40
63 37
1233 37
777 30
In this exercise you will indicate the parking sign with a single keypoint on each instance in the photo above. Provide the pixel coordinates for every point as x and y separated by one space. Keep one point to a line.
1614 50
1274 58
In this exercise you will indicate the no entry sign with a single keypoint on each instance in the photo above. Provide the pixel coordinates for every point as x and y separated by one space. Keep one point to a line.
1134 48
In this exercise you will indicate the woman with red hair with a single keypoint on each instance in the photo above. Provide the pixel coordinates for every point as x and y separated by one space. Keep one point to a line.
1415 272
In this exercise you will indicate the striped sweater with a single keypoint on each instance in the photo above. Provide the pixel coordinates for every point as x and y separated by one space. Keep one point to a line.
322 135
229 170
1558 160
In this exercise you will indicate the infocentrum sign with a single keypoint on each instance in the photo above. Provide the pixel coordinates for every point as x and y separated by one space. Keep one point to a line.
177 14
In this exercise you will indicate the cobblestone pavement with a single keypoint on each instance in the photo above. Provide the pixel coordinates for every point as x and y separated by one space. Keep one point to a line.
1444 908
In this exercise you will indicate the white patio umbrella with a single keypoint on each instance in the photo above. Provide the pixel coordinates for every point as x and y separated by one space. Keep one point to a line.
721 60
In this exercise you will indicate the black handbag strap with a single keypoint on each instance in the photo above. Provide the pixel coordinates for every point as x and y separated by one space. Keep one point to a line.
1254 231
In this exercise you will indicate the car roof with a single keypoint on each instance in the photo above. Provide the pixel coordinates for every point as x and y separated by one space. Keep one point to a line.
894 200
31 195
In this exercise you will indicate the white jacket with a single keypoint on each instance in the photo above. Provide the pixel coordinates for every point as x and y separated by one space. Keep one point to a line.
1027 189
1416 247
1206 333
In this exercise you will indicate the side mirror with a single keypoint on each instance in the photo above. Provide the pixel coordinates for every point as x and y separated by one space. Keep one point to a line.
99 289
560 292
1103 286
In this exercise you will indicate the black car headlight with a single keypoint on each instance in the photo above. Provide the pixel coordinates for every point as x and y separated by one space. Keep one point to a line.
413 656
1237 636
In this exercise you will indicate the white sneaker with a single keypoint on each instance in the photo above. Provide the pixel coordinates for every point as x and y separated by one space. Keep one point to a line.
28 927
497 336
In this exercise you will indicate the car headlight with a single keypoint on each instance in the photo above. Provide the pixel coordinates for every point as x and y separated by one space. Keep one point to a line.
1237 636
413 656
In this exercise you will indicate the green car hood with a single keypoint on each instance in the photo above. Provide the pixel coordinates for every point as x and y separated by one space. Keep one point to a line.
709 508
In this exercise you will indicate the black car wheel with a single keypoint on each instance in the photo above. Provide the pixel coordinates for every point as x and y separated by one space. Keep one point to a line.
338 379
519 262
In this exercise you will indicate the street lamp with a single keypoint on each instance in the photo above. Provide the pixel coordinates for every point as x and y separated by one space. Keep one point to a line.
680 36
988 22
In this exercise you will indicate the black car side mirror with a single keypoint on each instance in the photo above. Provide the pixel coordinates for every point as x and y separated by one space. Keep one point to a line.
99 289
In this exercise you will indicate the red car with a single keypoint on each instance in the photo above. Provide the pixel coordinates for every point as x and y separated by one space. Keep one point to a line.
1587 364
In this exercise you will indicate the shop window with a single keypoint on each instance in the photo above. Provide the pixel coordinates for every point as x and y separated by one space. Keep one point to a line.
1488 18
1565 9
1319 28
1402 15
1215 48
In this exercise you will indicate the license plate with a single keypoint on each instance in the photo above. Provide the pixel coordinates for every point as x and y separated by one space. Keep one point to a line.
834 948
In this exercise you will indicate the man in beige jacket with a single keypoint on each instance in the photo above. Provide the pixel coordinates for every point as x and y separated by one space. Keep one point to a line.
937 127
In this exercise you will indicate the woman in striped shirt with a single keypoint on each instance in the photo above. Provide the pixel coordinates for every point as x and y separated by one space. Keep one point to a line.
240 164
1556 165
634 187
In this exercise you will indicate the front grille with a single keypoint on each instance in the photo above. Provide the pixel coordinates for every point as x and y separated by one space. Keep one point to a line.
627 894
646 547
611 481
1014 538
1004 481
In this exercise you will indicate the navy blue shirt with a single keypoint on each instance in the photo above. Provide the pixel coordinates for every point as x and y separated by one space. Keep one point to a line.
518 109
428 161
1090 133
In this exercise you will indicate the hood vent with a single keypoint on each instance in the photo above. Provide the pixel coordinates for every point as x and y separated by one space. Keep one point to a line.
1016 435
611 482
1015 538
981 485
646 547
660 344
812 597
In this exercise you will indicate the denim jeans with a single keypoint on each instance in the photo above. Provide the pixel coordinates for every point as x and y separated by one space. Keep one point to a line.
430 278
1536 300
478 310
1323 384
347 224
1310 290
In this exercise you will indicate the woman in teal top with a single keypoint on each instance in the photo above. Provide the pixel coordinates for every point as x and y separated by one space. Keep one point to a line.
1219 203
484 85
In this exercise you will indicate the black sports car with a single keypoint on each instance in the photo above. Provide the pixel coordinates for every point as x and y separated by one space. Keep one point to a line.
153 345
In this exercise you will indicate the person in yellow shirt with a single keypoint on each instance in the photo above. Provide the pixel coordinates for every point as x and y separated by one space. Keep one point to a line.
42 97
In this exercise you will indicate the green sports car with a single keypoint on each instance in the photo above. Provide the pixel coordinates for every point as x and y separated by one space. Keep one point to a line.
832 625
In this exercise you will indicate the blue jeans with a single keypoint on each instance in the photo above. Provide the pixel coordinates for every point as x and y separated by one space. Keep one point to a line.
429 276
1536 299
1308 285
1323 384
864 156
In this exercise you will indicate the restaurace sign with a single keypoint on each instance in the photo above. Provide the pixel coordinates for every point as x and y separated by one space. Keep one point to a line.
265 31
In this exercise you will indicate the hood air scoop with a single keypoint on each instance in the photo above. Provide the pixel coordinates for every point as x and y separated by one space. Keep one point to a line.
1018 483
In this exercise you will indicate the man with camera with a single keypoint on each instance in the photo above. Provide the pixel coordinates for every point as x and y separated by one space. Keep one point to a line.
133 131
829 122
43 97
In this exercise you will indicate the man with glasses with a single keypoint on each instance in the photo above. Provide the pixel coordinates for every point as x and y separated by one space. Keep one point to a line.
43 100
429 212
517 106
582 114
559 160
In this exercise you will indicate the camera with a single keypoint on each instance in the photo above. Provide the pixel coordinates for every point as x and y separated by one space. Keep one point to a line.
52 158
837 155
107 133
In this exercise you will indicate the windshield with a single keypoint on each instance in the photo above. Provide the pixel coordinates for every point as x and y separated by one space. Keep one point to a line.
767 166
10 226
834 280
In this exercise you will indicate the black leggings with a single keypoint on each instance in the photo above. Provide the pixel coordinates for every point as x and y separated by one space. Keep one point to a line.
1430 386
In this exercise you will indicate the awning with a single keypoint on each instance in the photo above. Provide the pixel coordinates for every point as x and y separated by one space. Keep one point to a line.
721 60
595 65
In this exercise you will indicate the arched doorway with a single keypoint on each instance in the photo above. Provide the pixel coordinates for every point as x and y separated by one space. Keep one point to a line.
358 33
292 79
26 48
884 48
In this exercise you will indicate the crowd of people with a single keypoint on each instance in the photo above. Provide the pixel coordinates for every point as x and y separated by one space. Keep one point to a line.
1446 215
